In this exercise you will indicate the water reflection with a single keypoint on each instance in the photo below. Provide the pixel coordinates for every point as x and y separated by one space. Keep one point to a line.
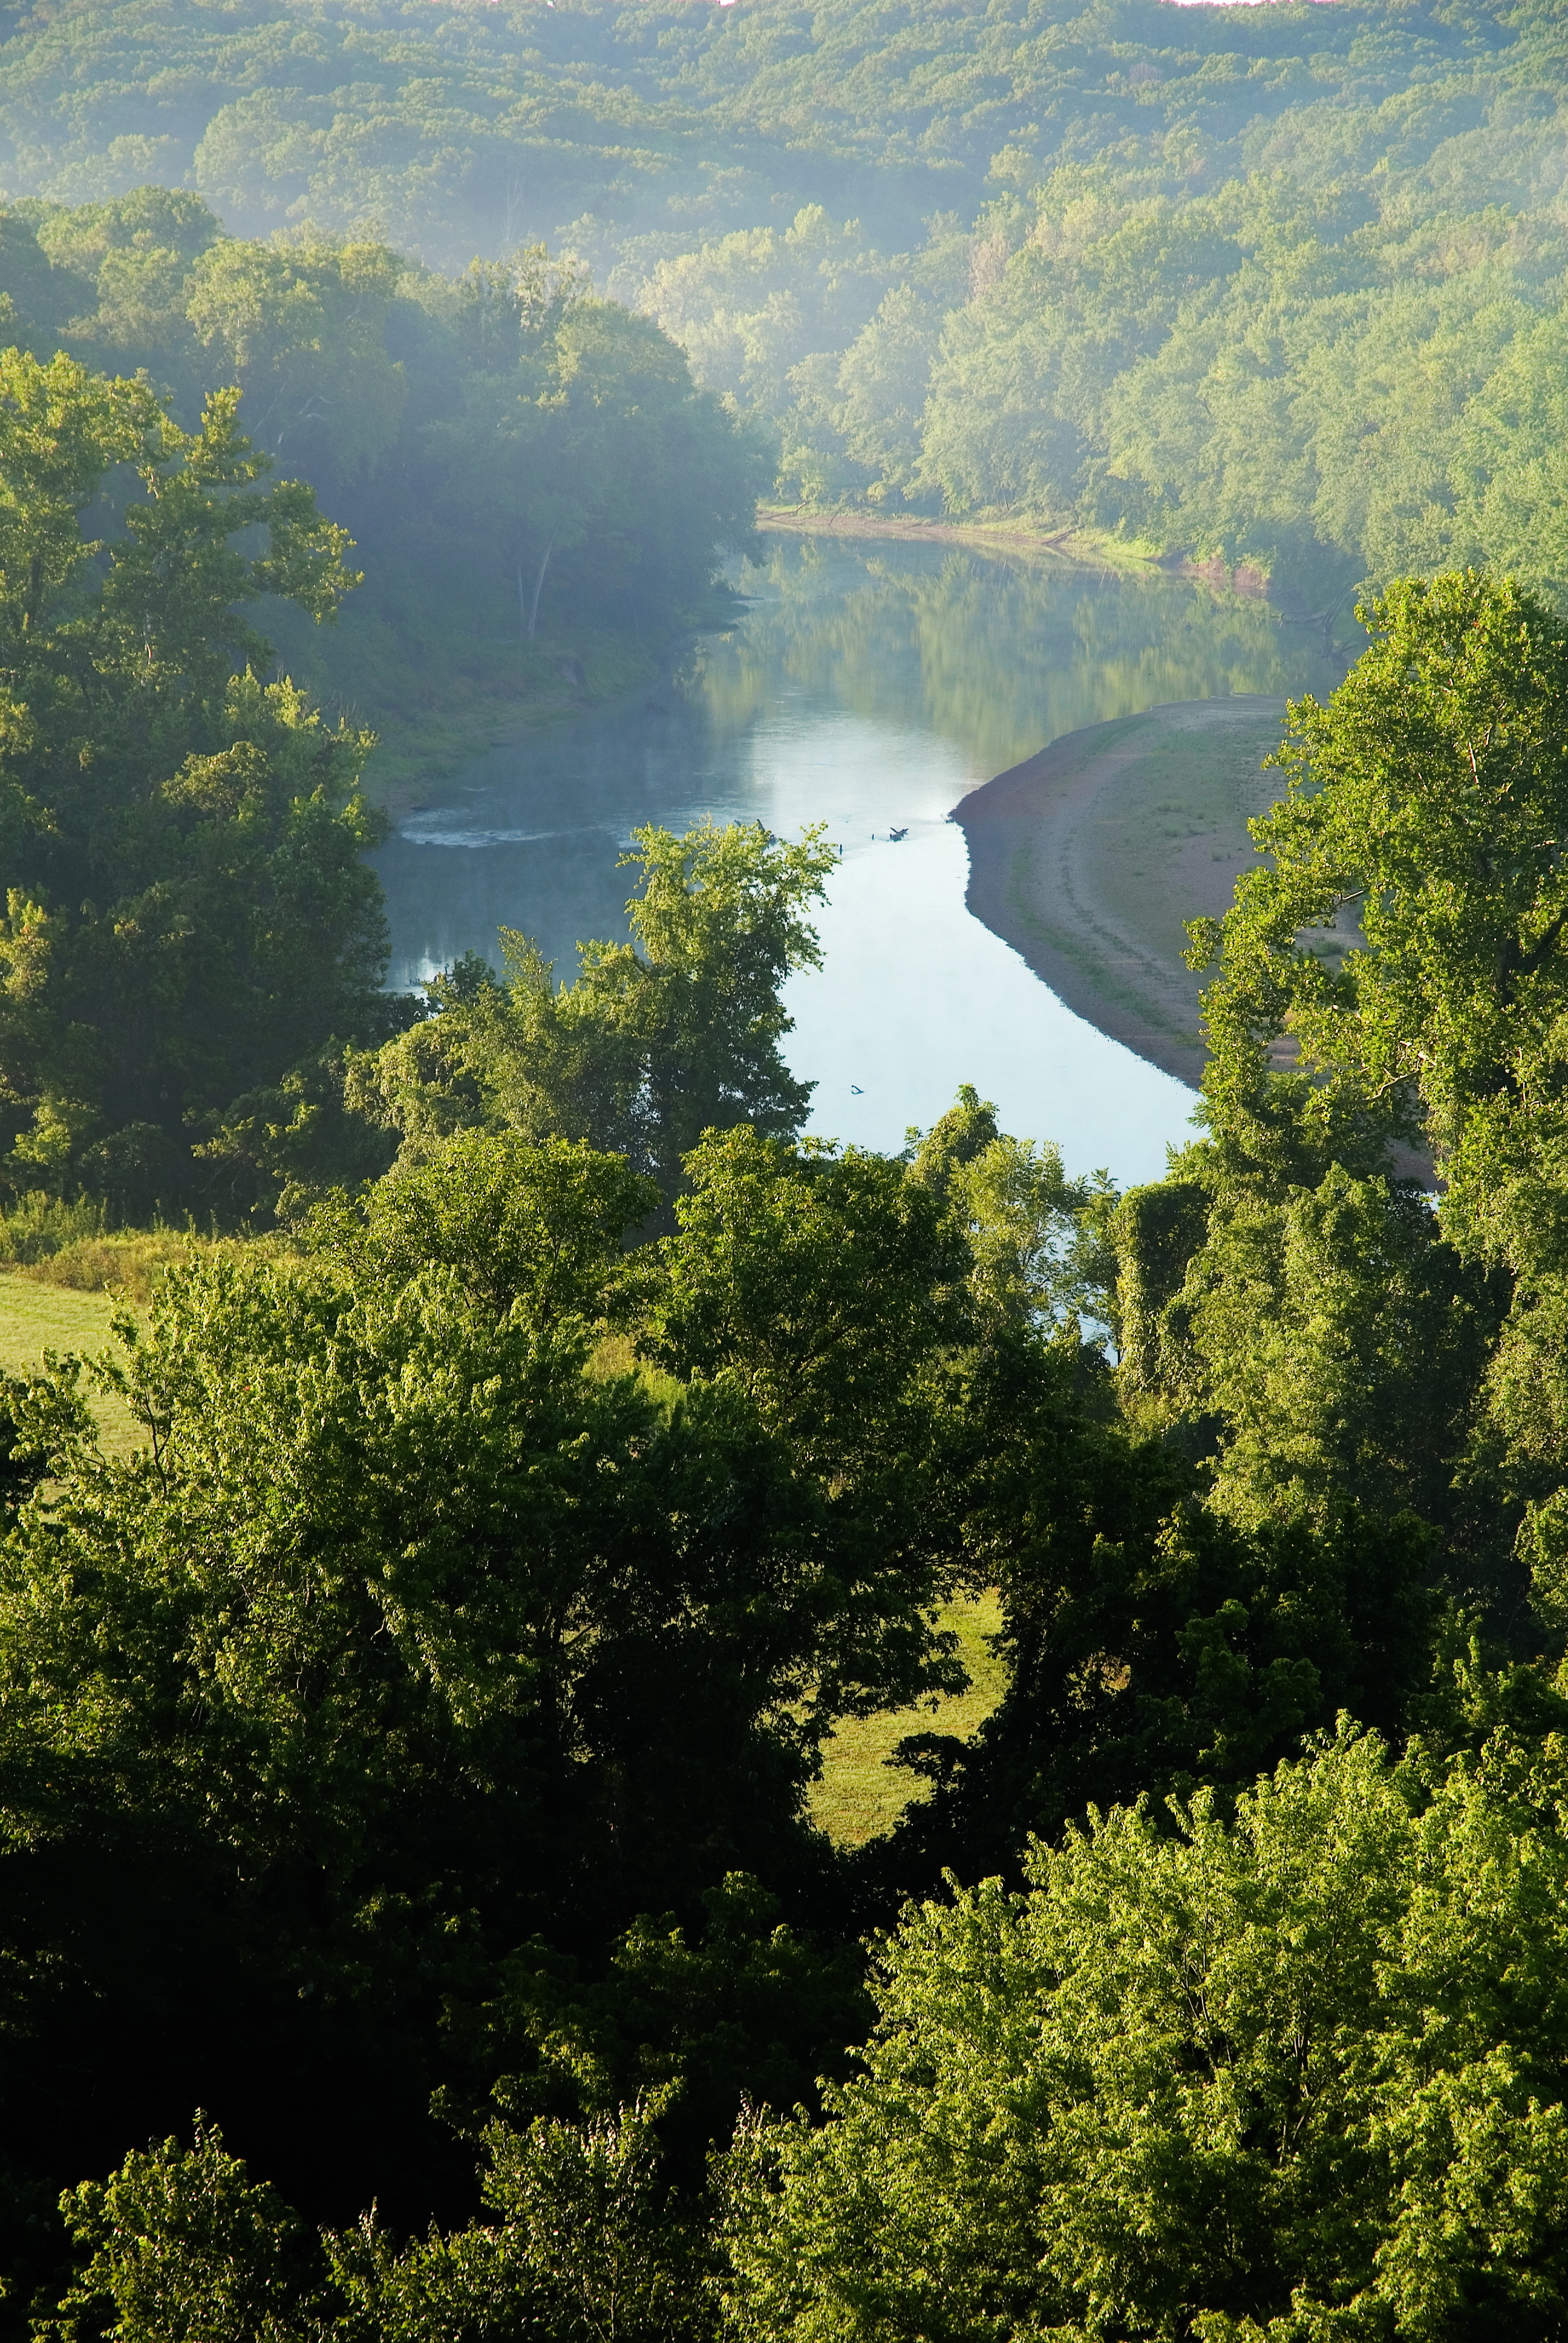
997 655
868 686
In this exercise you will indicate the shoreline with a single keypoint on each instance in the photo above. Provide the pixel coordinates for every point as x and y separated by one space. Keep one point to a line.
416 752
1083 548
1087 858
1070 545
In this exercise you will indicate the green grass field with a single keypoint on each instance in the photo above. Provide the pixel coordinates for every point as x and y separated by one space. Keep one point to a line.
35 1317
859 1794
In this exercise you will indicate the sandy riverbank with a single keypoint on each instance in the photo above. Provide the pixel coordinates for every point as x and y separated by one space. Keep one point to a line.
1087 857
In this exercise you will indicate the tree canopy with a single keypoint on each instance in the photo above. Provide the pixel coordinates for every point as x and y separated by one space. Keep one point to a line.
187 916
1282 292
429 1636
1295 2073
657 1039
517 460
409 1737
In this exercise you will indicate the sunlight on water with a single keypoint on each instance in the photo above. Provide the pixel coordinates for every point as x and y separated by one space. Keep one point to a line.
914 996
869 687
914 1001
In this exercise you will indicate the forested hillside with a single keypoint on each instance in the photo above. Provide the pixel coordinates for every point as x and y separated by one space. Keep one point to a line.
423 1628
1277 288
405 1739
536 492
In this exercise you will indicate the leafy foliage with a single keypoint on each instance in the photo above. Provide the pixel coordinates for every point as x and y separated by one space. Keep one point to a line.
1151 1643
415 1631
1297 2074
584 2243
182 2245
657 1041
1282 292
187 916
686 2023
422 1716
1039 1240
510 453
1405 944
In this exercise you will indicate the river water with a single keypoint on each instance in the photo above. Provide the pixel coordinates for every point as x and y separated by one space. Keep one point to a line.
867 684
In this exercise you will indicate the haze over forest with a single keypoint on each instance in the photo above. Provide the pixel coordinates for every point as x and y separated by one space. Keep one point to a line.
1281 288
521 1491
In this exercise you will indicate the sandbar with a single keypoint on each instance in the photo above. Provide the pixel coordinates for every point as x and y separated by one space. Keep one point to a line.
1087 857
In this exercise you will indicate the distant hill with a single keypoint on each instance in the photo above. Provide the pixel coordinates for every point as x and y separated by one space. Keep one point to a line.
1279 288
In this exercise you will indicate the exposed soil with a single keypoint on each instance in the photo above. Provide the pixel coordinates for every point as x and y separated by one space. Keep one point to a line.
1087 857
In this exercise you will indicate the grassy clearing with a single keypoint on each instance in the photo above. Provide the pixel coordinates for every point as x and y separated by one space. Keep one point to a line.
133 1262
55 1242
35 1317
62 1276
128 1262
859 1794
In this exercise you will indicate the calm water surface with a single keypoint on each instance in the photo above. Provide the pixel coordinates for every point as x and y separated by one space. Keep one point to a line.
868 686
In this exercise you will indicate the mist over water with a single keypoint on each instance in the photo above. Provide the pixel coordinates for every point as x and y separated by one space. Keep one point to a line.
868 686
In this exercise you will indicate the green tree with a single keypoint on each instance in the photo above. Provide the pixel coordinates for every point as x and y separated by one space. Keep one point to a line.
659 1040
1150 1643
187 915
1405 945
752 304
691 2022
121 276
579 455
822 1291
581 2242
1018 391
584 2243
1303 2073
1039 1242
1321 1353
1407 933
301 327
1357 1383
415 1630
1508 466
181 2247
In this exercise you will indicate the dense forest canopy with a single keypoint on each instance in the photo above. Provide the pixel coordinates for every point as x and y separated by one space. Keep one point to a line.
421 1629
406 1737
526 470
1280 286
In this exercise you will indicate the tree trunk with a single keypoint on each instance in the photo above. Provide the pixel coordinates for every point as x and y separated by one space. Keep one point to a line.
539 586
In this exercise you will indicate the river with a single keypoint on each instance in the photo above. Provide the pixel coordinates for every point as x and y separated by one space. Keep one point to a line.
867 684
